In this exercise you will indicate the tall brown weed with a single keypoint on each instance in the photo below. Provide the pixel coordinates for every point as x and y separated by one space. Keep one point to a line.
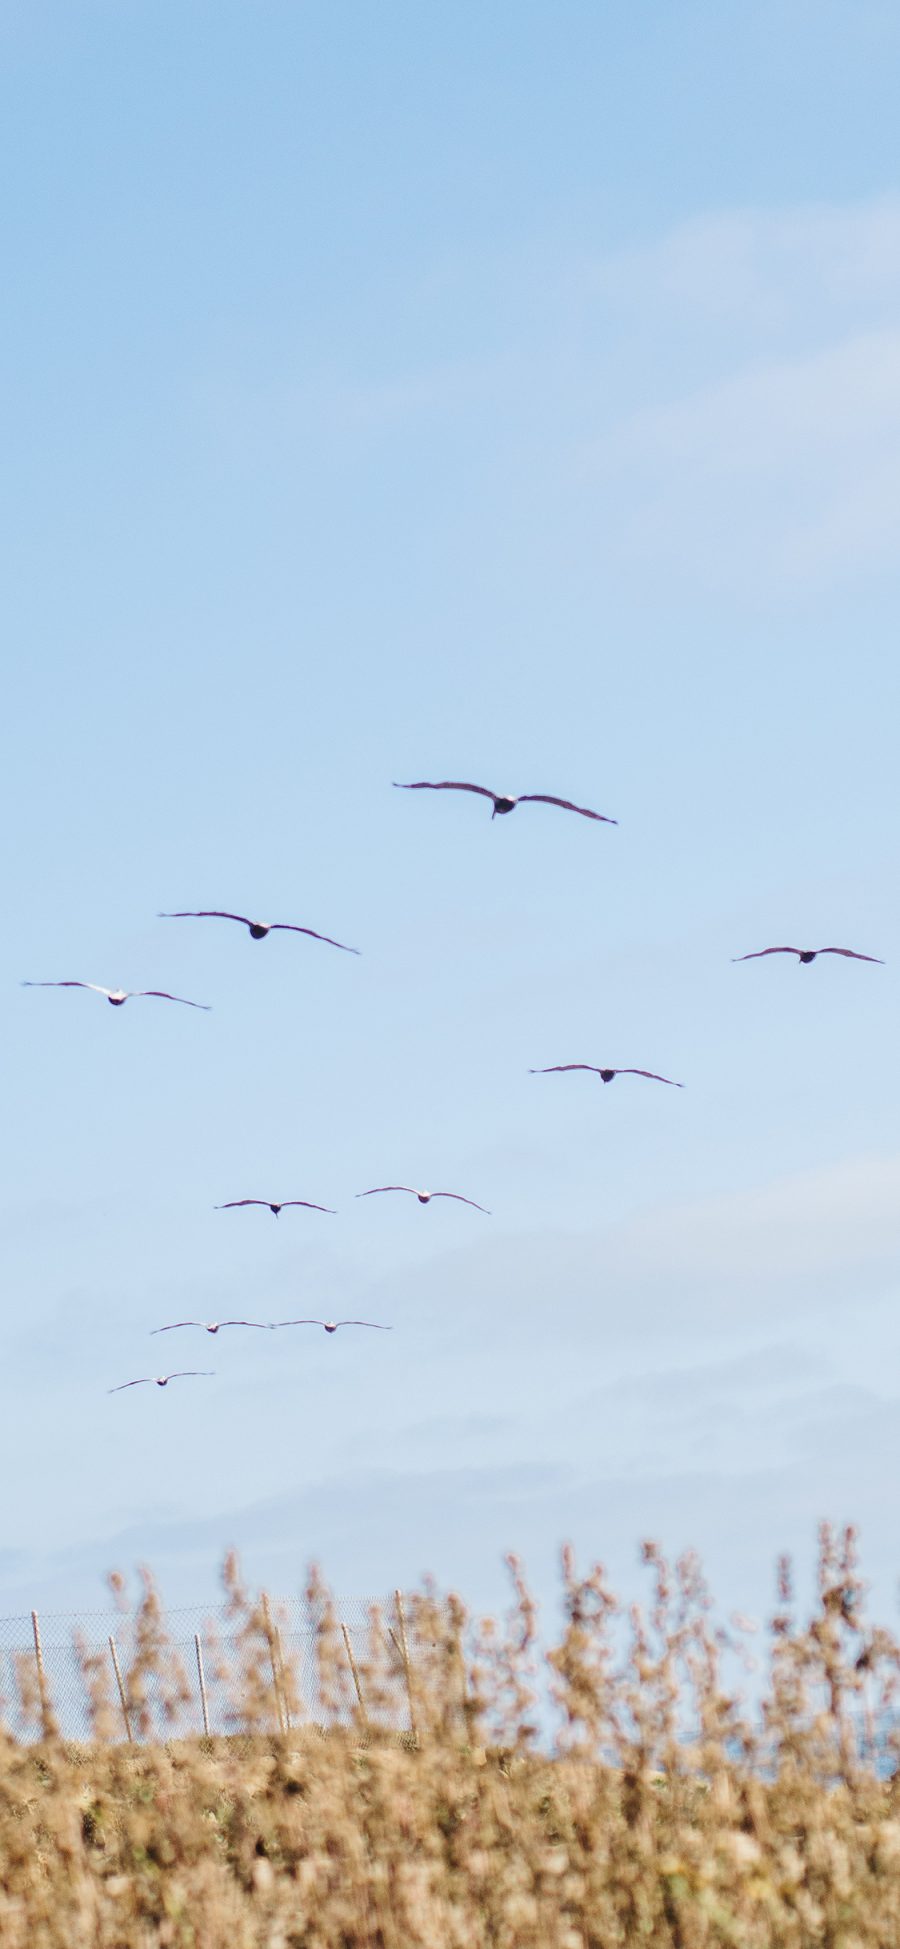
457 1785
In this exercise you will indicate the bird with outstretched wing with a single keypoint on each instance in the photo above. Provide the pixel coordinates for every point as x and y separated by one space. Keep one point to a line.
119 995
331 1326
212 1326
606 1075
162 1380
503 801
236 1204
424 1197
258 928
807 954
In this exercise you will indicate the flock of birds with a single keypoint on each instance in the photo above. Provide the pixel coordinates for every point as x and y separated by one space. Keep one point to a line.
503 803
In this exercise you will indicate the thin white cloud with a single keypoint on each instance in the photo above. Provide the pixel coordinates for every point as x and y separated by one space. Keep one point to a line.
758 442
806 412
761 270
785 473
721 405
338 412
829 1224
825 1237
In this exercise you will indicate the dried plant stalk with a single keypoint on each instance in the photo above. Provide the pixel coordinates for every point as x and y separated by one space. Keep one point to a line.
611 1790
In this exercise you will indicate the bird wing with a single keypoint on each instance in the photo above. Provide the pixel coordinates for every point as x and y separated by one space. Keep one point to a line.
67 984
654 1077
192 1374
461 1200
288 927
123 1384
851 954
234 1203
443 785
265 1326
164 996
387 1187
760 951
373 1323
545 798
177 1323
277 1323
206 913
304 1203
556 1067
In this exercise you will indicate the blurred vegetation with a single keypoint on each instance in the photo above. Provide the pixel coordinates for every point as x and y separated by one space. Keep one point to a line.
615 1789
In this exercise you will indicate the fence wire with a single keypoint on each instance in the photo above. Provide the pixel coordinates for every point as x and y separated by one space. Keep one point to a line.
47 1659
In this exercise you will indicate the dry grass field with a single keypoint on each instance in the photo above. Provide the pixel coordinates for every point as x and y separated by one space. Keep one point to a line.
649 1807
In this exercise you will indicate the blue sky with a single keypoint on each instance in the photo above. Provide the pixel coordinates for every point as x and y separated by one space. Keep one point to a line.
510 394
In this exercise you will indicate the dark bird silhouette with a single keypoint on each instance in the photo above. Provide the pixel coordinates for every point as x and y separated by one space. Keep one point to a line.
606 1075
212 1326
503 801
424 1197
807 954
331 1326
235 1204
258 928
162 1380
119 995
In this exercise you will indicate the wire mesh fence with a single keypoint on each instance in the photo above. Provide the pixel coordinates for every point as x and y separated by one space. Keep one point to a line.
54 1666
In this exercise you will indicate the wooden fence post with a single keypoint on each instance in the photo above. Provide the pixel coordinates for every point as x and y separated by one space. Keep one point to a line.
404 1653
46 1713
199 1652
272 1638
352 1663
123 1701
285 1705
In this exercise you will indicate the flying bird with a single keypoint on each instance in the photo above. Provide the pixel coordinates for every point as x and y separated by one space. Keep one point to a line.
258 928
331 1326
503 801
424 1197
807 954
212 1326
286 1203
162 1380
606 1075
118 995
